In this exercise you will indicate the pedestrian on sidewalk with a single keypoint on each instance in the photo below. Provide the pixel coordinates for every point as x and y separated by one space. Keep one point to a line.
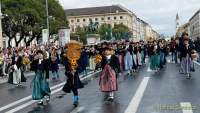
108 77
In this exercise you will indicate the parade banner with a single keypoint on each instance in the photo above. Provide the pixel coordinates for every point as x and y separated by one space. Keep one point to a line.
64 36
93 39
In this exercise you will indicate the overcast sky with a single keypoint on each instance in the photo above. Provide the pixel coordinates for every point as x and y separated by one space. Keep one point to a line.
160 14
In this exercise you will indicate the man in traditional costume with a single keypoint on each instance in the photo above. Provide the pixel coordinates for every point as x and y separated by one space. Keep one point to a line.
73 67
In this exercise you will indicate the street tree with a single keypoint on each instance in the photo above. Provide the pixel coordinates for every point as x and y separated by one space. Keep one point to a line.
81 33
120 31
105 31
28 18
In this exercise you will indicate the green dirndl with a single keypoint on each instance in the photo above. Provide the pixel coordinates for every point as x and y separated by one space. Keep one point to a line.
154 61
142 57
157 60
40 86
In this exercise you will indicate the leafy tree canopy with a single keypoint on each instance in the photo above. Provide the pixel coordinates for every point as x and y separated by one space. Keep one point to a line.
28 17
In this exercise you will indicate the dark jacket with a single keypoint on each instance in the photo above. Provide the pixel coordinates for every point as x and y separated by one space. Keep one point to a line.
186 51
73 81
44 67
54 65
114 63
197 45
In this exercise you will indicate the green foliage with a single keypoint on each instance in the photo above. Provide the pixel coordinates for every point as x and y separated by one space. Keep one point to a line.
28 17
120 31
105 31
82 34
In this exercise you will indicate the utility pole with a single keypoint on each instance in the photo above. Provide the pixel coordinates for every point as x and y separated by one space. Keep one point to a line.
47 11
1 36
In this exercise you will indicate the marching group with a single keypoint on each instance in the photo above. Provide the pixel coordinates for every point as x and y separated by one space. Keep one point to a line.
112 57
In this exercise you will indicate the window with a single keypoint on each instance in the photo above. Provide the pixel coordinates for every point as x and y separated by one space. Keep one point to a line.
102 18
96 19
84 20
78 20
108 18
121 17
72 21
115 18
90 19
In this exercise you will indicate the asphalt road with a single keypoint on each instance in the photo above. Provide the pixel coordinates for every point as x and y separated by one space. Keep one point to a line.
166 91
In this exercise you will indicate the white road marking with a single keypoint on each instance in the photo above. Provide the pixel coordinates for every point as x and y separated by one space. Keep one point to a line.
186 107
32 102
78 110
26 98
134 104
29 103
197 63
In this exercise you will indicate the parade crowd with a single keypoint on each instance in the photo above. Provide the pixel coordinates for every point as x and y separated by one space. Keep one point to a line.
114 58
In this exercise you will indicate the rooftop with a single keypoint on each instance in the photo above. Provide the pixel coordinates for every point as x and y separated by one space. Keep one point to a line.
95 10
195 15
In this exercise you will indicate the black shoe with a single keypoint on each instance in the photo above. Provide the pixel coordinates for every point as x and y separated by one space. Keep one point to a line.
111 99
75 104
40 103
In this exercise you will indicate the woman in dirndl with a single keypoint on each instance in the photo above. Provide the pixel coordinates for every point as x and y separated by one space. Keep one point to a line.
186 62
41 90
153 56
128 61
108 78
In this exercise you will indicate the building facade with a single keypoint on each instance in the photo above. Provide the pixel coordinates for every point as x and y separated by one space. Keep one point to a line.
148 32
112 15
194 25
183 28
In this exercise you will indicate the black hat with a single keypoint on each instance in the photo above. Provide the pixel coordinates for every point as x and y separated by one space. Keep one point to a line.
40 51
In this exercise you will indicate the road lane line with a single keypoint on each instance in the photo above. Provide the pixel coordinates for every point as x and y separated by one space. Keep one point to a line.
197 63
186 107
26 98
134 104
78 110
31 102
